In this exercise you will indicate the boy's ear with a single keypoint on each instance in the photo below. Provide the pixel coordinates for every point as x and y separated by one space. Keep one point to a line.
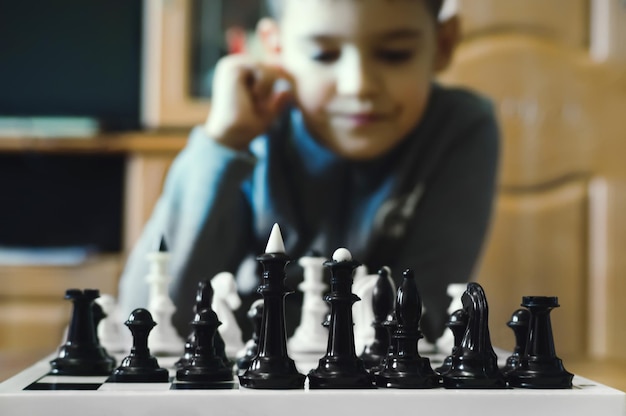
448 37
268 32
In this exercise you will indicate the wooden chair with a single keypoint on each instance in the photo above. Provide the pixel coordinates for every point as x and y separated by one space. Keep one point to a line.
561 187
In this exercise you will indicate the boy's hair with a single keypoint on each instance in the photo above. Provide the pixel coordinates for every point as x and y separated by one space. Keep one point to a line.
275 7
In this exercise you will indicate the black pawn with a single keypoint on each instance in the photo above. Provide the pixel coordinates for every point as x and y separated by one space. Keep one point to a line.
539 367
519 324
405 368
272 368
139 366
205 367
457 323
255 315
390 325
383 299
340 367
204 298
474 363
82 354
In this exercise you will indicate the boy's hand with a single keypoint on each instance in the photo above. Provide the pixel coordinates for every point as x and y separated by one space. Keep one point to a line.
244 102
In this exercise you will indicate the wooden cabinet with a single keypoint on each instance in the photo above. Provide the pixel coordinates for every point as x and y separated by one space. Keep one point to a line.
33 312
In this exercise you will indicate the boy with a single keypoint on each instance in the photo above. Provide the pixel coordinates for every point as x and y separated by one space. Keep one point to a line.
364 151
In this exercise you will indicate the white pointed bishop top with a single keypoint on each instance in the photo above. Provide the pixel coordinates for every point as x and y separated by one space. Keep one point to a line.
275 243
342 254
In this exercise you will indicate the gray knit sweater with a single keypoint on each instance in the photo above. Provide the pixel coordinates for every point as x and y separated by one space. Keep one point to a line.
425 205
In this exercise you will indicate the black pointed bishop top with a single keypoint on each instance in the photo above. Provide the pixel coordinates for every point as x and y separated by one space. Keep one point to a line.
204 295
163 245
383 296
408 302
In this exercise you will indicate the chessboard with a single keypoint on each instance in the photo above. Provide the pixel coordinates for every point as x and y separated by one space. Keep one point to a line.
35 392
272 375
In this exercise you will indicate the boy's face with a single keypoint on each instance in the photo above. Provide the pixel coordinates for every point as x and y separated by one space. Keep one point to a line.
361 68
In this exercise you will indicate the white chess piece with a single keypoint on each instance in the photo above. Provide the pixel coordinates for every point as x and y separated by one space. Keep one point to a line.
225 301
445 343
163 340
275 243
362 311
109 328
311 336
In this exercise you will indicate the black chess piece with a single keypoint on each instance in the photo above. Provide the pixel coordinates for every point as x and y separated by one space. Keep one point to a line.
82 354
255 315
326 323
340 367
272 368
190 345
405 368
539 366
162 246
519 324
474 363
383 300
205 368
390 325
139 366
204 298
457 323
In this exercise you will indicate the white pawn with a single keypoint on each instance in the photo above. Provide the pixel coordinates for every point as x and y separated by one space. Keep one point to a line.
311 336
163 340
362 311
109 328
225 301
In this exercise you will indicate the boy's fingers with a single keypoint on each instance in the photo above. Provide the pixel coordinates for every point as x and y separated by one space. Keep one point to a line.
263 84
266 78
278 103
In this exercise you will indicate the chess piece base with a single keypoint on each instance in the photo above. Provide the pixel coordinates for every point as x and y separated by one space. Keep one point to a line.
272 373
540 374
206 375
102 365
460 380
340 381
445 367
336 373
218 385
272 381
473 371
407 374
139 375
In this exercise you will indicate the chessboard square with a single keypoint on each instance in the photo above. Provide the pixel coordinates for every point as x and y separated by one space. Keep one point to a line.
134 387
52 379
37 386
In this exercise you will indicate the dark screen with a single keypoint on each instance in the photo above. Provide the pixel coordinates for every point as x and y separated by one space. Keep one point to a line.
61 200
71 58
